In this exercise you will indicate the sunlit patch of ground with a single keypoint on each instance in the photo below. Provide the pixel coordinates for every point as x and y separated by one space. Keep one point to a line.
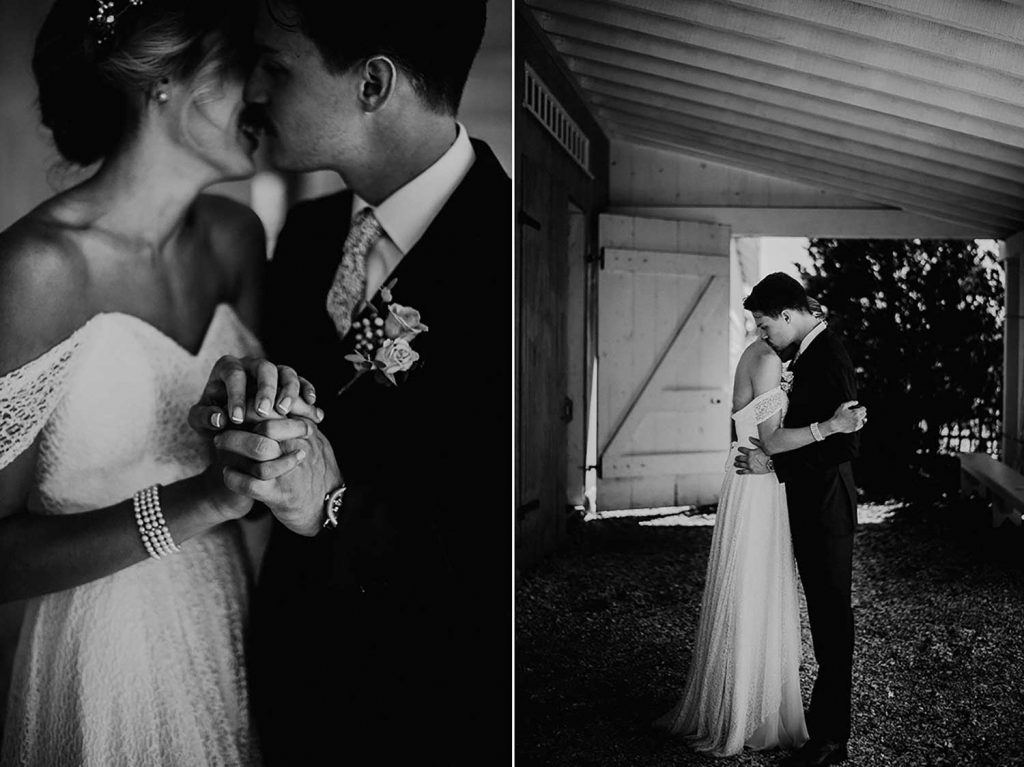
692 516
604 630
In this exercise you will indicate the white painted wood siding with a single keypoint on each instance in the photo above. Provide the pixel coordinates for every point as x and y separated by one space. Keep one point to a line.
663 369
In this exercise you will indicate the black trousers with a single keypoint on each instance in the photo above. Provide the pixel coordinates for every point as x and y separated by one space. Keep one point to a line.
822 514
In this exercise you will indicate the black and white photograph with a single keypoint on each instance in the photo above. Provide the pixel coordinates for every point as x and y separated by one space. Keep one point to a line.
253 412
769 383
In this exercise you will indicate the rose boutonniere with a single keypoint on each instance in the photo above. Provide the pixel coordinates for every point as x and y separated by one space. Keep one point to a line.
384 340
787 381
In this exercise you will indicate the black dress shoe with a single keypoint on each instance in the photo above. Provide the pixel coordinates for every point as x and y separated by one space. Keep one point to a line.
816 753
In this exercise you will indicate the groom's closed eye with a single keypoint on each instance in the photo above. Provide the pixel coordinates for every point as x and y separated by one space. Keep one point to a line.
272 66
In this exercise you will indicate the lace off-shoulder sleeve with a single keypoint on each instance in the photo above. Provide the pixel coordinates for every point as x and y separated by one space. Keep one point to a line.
29 395
768 404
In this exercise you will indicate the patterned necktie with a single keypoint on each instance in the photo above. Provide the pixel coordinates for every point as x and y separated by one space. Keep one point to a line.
349 286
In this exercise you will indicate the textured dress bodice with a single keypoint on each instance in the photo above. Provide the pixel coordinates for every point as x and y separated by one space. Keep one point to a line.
144 666
758 410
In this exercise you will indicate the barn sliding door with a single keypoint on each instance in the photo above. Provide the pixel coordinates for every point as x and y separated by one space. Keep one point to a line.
664 385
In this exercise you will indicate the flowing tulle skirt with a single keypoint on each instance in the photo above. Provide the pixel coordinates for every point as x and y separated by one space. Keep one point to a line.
142 668
743 686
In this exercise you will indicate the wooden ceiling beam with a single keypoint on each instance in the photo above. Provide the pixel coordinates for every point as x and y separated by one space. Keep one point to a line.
795 82
988 156
999 21
837 223
856 169
796 31
889 94
829 135
868 20
824 174
646 176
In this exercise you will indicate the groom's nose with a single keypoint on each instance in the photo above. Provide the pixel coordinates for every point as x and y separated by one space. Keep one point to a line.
255 91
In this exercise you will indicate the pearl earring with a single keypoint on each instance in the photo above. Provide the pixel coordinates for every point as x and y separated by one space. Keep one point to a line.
162 97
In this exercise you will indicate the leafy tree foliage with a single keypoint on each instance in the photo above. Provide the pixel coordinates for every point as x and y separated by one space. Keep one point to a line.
922 321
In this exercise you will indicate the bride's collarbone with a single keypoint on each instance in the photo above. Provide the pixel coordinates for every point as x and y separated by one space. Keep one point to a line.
173 291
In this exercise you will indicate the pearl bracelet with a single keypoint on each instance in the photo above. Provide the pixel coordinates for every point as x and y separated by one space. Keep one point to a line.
156 537
816 432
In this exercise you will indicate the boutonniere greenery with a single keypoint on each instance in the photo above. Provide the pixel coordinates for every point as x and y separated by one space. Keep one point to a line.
384 340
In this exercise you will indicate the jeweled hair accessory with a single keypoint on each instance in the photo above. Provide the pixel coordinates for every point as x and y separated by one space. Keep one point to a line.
104 21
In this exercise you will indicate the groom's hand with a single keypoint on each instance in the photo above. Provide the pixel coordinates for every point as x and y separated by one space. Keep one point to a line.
286 464
277 391
752 460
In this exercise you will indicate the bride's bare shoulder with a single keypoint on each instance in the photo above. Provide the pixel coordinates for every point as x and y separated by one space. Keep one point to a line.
43 277
759 369
758 356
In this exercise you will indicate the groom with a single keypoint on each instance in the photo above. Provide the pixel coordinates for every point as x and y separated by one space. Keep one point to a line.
382 639
822 501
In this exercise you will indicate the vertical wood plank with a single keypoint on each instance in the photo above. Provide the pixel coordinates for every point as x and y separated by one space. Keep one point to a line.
638 415
575 340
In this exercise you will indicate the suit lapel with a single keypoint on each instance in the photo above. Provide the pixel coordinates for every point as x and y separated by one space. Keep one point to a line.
426 278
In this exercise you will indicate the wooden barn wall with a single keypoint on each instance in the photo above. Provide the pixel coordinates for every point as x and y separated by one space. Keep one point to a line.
547 181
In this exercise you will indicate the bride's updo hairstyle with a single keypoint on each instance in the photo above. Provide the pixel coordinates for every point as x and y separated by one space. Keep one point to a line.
96 63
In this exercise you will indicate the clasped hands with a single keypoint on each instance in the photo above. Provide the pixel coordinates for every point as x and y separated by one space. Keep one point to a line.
264 426
848 418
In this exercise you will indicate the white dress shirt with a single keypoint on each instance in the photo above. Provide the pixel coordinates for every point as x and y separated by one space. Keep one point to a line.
816 331
409 211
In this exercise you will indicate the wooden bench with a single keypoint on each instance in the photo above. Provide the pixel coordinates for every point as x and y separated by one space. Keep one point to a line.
983 475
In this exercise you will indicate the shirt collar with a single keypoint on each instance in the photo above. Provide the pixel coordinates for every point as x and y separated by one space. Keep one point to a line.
816 331
409 211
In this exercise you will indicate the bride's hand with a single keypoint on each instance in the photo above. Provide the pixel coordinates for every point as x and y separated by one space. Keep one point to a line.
279 392
271 450
848 418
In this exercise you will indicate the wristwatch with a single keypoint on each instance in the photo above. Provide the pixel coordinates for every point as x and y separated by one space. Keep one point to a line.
332 505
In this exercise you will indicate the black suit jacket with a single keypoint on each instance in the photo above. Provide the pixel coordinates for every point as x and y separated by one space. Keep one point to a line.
421 557
823 378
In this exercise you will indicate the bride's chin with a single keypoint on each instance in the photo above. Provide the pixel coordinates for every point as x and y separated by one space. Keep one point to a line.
239 171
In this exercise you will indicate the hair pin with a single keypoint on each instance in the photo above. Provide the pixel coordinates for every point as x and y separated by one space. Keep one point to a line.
105 18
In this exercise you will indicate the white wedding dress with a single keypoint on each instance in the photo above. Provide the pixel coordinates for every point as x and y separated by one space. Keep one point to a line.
743 686
145 666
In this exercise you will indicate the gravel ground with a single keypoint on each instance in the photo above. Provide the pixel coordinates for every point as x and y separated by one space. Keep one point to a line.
603 631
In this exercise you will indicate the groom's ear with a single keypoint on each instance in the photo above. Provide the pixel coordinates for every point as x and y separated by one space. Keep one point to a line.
787 316
378 82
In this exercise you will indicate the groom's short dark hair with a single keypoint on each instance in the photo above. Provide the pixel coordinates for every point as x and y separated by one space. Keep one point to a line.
434 43
776 293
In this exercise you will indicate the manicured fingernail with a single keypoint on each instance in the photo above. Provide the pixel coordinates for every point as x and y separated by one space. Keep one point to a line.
319 415
300 455
311 395
237 415
263 406
284 405
215 420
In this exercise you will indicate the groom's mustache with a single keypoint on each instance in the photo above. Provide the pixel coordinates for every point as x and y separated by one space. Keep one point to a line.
255 118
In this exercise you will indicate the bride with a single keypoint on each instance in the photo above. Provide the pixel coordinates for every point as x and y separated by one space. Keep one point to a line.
116 298
743 686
